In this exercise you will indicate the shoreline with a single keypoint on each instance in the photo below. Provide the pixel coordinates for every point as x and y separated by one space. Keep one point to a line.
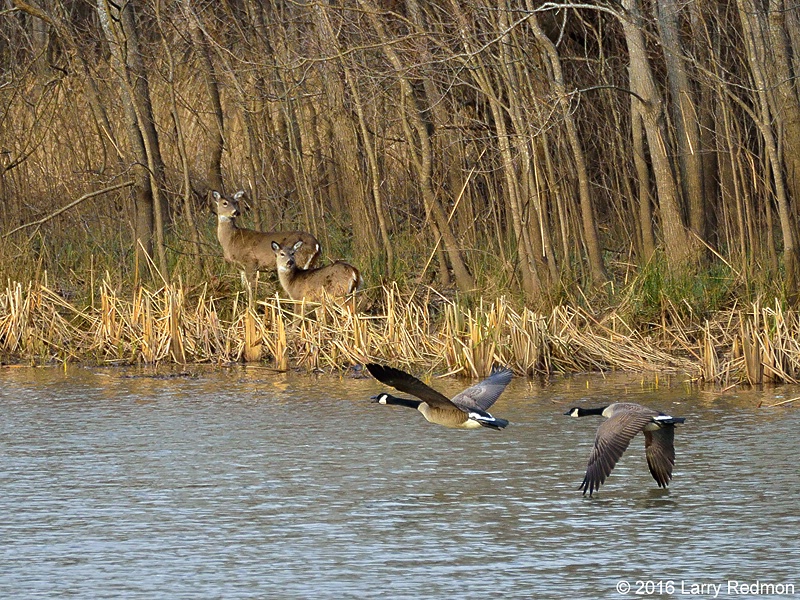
157 327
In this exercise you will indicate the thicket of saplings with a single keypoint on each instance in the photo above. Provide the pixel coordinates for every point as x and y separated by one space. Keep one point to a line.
72 293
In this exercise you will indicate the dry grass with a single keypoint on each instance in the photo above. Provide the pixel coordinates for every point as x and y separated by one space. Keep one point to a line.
756 345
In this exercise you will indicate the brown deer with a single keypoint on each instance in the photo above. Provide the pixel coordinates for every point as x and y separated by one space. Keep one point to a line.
337 278
250 248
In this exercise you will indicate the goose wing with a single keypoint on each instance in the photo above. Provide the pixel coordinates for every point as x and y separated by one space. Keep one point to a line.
612 439
410 385
660 452
482 395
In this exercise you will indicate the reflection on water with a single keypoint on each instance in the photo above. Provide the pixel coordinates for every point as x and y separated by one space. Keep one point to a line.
241 484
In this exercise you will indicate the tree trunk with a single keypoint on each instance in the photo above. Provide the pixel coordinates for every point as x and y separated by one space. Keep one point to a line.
346 160
643 185
423 157
684 116
521 158
188 213
706 103
368 144
529 255
782 81
144 228
450 167
588 218
754 27
208 74
679 248
147 125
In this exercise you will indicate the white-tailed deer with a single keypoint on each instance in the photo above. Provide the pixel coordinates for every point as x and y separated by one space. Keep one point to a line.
337 279
250 248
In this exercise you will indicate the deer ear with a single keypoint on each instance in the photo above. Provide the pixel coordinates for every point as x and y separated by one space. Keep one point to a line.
297 244
216 195
276 247
238 195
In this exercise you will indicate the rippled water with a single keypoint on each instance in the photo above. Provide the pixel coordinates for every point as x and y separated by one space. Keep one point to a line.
248 484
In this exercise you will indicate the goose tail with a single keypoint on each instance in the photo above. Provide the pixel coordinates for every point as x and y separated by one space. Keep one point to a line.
489 421
668 420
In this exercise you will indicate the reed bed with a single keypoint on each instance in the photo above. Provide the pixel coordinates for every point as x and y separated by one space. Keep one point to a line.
756 345
753 345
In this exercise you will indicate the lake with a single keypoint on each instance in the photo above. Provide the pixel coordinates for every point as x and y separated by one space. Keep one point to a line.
245 483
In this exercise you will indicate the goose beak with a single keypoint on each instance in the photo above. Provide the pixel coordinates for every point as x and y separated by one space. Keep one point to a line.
374 398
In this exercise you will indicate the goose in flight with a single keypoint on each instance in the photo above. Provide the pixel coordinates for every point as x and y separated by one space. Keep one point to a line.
624 421
466 410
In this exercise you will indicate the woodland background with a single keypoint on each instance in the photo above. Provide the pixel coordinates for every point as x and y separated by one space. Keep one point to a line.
615 153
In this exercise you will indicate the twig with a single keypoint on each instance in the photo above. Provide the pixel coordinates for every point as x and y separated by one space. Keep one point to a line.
783 402
70 205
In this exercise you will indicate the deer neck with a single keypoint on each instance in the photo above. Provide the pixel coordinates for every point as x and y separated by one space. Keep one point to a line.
292 278
226 227
286 275
226 230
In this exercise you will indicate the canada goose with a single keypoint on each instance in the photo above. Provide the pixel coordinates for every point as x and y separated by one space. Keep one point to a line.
466 410
625 420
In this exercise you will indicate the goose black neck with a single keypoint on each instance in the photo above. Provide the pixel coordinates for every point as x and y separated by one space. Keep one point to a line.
583 412
402 401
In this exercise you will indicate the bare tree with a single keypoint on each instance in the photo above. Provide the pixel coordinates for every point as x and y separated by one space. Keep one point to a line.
122 36
680 249
685 117
343 141
419 139
588 217
764 69
210 78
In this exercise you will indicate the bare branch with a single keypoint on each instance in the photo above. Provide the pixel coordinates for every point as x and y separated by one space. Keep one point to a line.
70 205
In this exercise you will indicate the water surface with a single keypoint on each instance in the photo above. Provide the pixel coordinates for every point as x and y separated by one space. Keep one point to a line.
249 484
